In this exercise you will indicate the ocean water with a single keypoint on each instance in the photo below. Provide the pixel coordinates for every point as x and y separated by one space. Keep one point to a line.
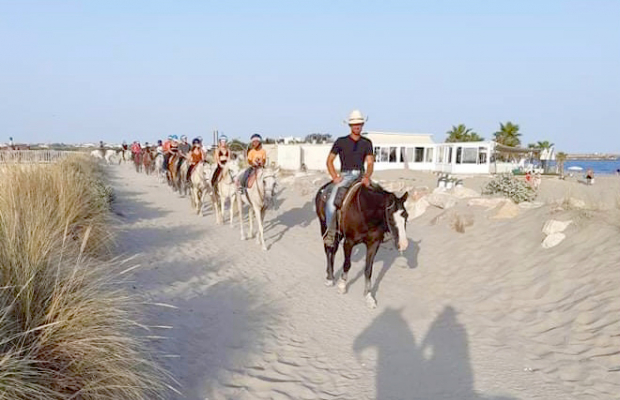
599 167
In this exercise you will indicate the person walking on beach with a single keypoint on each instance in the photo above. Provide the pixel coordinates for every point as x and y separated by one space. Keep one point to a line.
589 176
353 150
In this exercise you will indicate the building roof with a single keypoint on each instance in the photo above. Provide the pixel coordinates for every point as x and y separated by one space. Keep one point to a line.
380 138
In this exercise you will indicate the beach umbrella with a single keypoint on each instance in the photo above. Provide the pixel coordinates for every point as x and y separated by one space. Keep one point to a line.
575 168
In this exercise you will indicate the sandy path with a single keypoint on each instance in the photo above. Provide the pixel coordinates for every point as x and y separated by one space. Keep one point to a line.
260 325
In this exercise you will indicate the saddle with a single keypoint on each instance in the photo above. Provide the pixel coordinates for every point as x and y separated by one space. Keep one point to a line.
344 197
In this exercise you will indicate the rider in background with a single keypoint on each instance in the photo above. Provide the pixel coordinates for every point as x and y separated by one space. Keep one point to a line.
160 148
221 156
257 157
195 156
353 150
184 149
102 148
166 148
124 146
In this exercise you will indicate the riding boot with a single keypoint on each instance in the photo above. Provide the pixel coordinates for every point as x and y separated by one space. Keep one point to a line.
330 234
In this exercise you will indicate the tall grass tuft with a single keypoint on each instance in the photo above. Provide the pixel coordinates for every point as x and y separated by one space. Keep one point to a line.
66 329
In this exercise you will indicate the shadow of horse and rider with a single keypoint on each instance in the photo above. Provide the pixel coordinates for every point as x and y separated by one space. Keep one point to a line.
438 368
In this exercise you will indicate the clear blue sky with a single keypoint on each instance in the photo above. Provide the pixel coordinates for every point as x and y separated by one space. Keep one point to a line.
89 70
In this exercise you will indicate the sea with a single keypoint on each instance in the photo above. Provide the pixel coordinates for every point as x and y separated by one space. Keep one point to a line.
598 166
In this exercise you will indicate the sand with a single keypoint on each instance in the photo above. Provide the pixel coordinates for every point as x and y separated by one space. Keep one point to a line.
483 314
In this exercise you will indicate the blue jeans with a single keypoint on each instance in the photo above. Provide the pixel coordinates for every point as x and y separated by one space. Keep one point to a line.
348 177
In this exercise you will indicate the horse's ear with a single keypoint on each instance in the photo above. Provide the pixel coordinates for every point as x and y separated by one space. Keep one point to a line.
404 197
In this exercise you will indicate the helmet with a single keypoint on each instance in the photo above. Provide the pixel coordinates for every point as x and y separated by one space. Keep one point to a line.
146 143
124 142
183 137
175 137
169 137
195 141
159 142
224 138
356 117
256 136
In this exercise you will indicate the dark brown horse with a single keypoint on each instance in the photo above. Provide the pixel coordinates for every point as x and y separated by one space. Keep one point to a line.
173 172
365 217
148 161
137 161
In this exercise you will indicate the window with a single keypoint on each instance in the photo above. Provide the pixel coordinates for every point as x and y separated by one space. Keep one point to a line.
449 155
419 154
392 154
403 155
441 154
482 155
409 154
459 154
385 152
470 155
429 154
377 149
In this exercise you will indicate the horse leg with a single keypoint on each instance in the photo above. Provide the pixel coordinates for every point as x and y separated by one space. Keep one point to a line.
342 282
241 222
260 237
232 207
371 252
222 198
330 253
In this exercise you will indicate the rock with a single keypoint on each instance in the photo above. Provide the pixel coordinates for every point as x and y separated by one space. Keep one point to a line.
527 205
506 210
489 203
576 203
552 226
417 208
553 240
418 192
464 193
441 200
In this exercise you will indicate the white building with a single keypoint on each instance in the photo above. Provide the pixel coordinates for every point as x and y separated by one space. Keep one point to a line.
414 151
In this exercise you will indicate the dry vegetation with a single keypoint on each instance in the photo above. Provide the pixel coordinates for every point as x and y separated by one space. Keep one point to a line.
66 330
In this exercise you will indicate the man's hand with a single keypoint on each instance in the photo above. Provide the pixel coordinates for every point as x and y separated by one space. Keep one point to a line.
366 181
337 179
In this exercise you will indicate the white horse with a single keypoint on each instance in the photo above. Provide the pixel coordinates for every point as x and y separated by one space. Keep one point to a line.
201 186
109 156
258 197
159 168
227 189
182 176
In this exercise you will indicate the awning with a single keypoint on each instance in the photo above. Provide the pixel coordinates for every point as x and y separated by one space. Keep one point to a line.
518 150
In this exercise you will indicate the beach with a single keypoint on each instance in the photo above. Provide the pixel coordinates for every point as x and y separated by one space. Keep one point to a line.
483 314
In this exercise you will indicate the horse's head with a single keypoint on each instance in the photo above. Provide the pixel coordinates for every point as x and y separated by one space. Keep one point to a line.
270 181
397 218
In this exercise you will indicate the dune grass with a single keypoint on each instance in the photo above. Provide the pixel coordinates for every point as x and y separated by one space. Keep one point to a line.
67 330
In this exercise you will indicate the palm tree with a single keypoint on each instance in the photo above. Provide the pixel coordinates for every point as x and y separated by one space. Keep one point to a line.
544 145
461 133
508 134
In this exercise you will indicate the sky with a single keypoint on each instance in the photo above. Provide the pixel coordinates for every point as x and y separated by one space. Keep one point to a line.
84 71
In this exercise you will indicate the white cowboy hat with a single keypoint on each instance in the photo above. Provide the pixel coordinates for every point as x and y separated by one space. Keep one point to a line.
356 117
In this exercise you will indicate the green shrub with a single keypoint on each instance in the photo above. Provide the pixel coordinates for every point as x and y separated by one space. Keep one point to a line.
509 186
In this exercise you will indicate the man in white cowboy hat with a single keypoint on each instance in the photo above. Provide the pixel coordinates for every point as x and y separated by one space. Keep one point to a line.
354 150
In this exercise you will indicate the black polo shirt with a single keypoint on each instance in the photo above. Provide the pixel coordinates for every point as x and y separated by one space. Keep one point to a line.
352 153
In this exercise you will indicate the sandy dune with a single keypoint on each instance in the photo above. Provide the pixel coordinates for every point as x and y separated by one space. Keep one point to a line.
485 314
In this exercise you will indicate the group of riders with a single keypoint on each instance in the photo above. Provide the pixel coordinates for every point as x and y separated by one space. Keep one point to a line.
178 150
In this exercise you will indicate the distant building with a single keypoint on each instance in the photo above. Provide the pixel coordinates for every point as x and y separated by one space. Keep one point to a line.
414 151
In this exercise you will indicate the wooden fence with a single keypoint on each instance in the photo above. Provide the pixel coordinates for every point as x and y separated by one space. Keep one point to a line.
33 156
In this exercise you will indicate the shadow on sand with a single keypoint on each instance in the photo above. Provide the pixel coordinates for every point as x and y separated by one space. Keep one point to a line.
439 368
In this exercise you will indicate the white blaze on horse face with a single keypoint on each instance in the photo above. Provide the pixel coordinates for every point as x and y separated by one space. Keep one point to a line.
402 234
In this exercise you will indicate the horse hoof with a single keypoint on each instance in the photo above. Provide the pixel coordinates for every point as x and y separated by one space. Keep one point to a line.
264 247
370 301
342 286
329 282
